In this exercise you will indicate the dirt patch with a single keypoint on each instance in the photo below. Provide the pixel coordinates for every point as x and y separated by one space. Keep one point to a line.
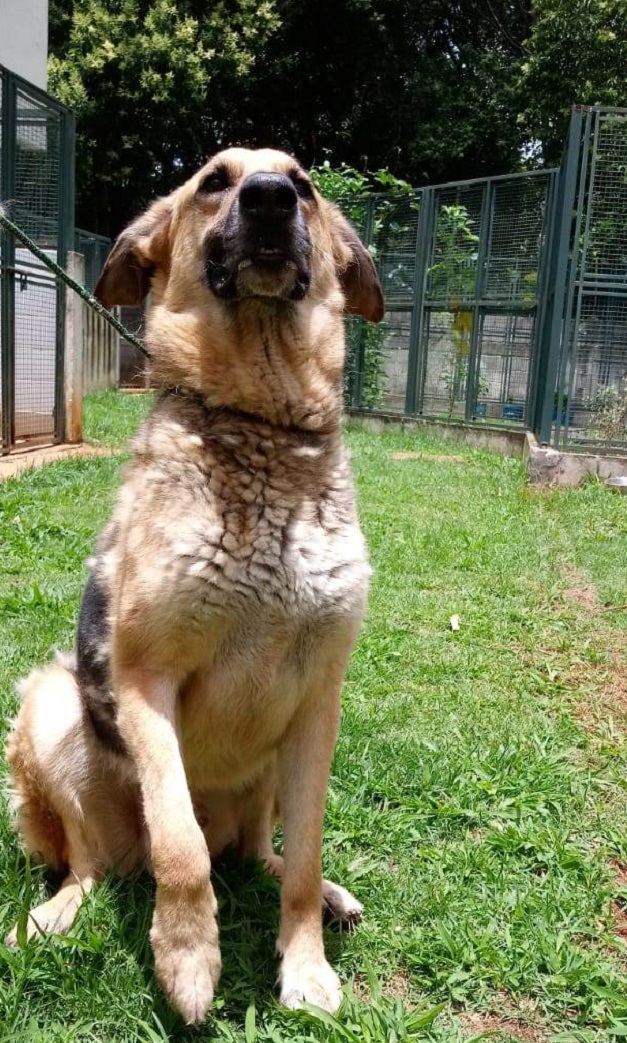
442 457
619 916
620 870
398 986
502 1028
618 907
600 690
582 592
586 596
517 1019
594 676
25 459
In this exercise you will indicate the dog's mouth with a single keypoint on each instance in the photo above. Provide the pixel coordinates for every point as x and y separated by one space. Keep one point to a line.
263 249
259 270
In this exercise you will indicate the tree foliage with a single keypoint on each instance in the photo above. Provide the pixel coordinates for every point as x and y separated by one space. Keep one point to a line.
577 54
431 89
152 83
419 86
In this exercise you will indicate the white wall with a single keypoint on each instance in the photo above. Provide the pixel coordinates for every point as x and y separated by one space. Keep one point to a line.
24 38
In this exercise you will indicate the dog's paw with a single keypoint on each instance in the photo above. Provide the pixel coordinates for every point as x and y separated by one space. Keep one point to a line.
188 976
340 905
310 982
53 917
187 957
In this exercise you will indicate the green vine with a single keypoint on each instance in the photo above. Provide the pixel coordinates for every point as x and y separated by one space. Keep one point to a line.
376 203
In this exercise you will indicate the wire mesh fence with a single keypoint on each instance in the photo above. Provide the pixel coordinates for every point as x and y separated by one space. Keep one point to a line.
591 397
36 184
461 267
93 249
506 297
101 344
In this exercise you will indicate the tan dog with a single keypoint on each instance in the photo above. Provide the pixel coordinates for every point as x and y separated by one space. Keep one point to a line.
227 590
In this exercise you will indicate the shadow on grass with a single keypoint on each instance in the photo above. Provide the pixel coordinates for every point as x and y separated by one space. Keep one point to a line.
249 912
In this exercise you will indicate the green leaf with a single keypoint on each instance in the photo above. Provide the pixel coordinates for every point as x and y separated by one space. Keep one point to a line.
250 1024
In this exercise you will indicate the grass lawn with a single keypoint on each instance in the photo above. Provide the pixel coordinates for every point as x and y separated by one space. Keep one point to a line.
477 800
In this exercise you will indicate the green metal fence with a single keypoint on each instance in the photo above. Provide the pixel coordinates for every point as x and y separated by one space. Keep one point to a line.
462 267
94 249
506 297
589 407
37 186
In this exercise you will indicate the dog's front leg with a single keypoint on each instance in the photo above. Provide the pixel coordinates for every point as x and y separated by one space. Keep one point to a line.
304 762
184 931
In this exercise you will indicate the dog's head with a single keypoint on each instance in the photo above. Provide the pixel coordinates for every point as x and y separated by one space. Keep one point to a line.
249 233
249 224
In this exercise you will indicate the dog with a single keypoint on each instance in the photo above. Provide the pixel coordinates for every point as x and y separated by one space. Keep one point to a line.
227 591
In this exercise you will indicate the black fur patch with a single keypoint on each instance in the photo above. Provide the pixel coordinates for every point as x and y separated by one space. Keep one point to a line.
92 669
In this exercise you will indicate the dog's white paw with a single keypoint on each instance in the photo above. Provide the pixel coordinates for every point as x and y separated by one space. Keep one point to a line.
187 958
339 904
311 981
188 976
53 917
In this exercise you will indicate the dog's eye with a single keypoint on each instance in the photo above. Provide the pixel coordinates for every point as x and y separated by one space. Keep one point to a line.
303 187
215 182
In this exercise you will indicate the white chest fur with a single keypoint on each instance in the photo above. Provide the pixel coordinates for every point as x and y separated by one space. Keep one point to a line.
233 514
273 535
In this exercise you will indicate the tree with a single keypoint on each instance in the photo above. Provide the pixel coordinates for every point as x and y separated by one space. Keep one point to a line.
139 74
424 87
419 86
577 54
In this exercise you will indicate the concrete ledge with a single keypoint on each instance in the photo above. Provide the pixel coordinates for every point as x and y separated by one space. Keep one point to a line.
507 441
27 457
546 466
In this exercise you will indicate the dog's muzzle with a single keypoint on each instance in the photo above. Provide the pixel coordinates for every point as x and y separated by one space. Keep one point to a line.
265 249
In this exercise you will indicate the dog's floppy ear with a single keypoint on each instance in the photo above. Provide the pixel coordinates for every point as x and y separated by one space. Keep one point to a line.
356 271
125 278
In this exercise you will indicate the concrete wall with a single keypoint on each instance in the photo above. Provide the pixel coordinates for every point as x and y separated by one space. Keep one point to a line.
509 442
547 466
24 39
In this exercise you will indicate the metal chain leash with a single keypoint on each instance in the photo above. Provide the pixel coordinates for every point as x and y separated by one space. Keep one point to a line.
60 273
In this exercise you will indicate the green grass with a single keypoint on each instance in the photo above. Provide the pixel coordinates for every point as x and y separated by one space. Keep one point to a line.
468 808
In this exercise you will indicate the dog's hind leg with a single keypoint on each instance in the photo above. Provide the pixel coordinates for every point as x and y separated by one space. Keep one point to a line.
57 915
73 807
338 904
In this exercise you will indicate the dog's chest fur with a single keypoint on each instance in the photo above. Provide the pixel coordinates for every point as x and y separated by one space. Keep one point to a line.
224 515
233 555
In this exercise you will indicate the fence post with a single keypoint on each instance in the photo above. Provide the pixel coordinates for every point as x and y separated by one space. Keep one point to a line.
361 331
485 231
557 275
413 390
8 124
65 241
73 354
113 349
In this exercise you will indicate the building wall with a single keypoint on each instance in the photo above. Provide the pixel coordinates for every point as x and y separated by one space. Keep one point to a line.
24 38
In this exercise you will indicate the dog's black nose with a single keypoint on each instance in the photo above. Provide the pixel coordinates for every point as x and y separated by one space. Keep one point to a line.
268 197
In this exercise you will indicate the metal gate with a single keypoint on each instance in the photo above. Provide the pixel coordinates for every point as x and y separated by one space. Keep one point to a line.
462 267
37 187
586 402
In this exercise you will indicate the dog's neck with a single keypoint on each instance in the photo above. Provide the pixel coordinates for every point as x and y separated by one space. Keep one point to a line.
279 362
